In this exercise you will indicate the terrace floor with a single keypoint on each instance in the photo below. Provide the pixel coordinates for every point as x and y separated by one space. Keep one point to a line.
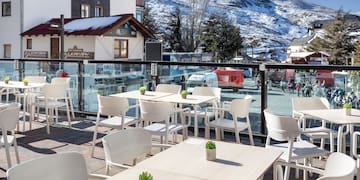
36 143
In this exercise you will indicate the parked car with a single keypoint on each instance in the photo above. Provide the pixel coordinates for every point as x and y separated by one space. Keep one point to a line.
204 79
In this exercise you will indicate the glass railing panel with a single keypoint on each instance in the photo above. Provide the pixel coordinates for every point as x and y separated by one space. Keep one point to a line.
107 79
8 68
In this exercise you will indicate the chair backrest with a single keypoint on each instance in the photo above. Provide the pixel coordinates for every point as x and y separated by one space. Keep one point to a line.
168 88
309 103
241 107
281 128
55 91
155 111
36 79
339 166
207 91
112 105
125 145
69 166
9 117
61 80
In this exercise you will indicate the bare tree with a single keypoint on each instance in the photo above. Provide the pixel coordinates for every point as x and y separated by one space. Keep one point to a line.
192 23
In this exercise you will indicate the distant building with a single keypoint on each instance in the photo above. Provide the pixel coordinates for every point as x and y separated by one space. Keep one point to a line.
118 37
308 58
21 15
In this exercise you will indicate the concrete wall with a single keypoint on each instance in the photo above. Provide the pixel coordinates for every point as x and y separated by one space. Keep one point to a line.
122 7
105 47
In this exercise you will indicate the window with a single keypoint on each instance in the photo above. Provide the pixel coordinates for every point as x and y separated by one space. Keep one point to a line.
85 10
7 50
99 11
28 43
139 15
121 48
6 8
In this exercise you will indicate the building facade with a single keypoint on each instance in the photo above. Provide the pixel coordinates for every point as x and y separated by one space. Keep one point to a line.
21 15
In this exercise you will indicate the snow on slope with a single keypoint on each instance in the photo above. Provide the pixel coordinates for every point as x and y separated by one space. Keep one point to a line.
272 22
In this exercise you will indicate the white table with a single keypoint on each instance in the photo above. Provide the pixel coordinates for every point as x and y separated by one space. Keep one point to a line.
337 116
187 161
193 100
135 94
20 85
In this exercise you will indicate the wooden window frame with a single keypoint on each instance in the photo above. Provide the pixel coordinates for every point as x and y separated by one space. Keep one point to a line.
5 55
29 43
118 50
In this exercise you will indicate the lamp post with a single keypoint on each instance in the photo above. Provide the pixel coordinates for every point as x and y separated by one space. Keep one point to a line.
61 28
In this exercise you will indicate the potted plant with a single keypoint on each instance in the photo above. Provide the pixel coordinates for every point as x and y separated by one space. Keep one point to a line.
142 90
347 107
145 176
183 94
6 79
25 81
210 151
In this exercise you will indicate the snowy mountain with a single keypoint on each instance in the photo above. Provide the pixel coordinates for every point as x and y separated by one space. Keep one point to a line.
273 22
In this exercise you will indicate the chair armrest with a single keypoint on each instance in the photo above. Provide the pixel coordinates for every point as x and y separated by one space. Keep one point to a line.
354 145
161 145
99 176
182 110
303 167
133 106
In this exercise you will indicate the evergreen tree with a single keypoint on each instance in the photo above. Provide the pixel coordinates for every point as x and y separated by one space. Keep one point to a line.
336 41
221 37
173 31
149 21
357 53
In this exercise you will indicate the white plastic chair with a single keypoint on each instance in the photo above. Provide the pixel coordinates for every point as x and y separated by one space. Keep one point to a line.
168 88
54 98
312 103
284 128
158 115
355 153
239 108
338 166
65 80
115 109
203 112
69 166
9 118
125 146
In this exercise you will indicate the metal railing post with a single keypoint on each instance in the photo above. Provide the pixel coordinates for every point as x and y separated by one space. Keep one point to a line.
80 86
263 97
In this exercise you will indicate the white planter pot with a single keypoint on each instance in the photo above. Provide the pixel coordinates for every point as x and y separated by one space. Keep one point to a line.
348 111
210 154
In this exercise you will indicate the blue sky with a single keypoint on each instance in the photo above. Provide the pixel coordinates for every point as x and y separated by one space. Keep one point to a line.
347 5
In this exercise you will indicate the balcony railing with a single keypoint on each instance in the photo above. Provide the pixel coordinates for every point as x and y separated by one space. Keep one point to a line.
271 85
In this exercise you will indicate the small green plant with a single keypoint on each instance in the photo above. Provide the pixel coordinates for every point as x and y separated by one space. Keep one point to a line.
347 106
6 78
210 145
142 88
25 80
145 176
183 92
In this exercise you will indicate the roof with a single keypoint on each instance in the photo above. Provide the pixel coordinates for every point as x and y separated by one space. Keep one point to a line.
306 54
303 40
94 26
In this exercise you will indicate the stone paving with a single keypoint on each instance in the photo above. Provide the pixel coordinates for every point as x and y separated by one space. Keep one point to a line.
36 143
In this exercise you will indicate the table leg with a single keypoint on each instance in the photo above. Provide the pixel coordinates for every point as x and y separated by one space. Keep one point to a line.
7 151
24 108
196 130
339 138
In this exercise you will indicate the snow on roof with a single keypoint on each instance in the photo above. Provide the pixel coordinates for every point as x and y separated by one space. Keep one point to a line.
90 23
301 54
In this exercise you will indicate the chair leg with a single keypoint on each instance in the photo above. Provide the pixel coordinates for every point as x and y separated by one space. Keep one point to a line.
287 173
68 113
47 121
71 105
94 141
107 168
16 150
237 137
217 133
